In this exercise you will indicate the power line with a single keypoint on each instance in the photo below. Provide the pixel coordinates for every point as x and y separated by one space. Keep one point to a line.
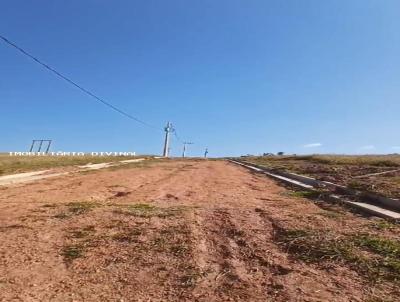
104 102
177 136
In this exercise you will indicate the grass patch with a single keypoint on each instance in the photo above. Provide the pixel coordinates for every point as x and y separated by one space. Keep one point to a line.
355 185
179 250
305 194
146 210
310 246
191 277
82 207
384 225
385 247
129 236
174 240
139 210
76 208
83 233
72 252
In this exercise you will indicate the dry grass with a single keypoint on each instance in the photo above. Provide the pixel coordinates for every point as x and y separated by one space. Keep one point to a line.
357 172
371 160
145 210
16 164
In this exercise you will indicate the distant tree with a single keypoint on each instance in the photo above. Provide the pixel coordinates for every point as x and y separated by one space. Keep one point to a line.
268 154
281 153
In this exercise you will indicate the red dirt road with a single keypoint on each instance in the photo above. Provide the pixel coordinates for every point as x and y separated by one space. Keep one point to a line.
171 231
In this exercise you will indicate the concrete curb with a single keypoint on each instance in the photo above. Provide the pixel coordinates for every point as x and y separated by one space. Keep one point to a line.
388 208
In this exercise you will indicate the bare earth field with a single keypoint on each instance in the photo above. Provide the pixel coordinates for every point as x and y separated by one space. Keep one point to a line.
189 230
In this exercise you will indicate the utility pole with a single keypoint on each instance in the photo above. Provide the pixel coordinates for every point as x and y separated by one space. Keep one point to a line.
168 129
184 148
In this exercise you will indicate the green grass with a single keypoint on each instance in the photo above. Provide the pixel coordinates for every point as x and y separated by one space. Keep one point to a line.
385 247
305 194
384 225
319 247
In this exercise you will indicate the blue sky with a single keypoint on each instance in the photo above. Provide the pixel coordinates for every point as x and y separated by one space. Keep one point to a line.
238 77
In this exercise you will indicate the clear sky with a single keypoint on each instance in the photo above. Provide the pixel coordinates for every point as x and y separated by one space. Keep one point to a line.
236 76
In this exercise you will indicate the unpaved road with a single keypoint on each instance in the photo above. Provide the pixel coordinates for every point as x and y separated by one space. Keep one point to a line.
172 231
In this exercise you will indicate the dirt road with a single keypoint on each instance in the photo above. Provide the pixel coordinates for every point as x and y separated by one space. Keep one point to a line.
182 231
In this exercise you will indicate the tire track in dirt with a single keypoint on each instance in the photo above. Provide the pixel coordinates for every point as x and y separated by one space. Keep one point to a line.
234 263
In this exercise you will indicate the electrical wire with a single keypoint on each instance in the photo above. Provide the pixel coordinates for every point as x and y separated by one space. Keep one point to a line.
91 94
177 136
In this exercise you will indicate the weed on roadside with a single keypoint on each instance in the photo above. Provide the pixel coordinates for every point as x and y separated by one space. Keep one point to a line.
305 194
311 246
385 247
384 225
355 185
